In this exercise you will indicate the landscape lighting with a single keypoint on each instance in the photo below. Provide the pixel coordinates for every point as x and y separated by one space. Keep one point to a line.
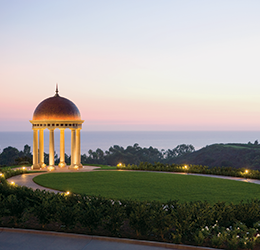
246 172
12 183
119 164
68 192
1 174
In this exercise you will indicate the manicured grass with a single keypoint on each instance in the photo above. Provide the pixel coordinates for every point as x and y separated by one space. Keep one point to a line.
102 167
105 167
151 186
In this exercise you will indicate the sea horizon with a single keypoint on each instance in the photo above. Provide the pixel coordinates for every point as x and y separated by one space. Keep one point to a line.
105 139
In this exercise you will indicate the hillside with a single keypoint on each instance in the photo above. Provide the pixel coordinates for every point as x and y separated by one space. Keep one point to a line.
224 155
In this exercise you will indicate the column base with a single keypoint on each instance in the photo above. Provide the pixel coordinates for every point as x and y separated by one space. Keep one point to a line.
35 166
73 167
62 164
43 165
80 165
51 168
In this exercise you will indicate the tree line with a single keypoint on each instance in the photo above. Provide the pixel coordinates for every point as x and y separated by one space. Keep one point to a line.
134 154
115 154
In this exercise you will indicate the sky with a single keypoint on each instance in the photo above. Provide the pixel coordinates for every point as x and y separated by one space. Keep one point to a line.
133 65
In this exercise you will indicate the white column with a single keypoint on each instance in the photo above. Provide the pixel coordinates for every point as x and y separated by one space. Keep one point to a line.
51 148
78 155
41 149
73 148
35 150
62 148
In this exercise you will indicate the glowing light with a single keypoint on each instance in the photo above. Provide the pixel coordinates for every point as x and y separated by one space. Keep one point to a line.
24 168
68 192
119 164
1 175
12 183
185 167
50 168
246 172
62 164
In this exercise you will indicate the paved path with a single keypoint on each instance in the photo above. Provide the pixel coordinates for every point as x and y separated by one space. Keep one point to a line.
22 239
220 177
27 179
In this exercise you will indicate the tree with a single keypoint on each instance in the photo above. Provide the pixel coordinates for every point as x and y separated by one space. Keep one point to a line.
27 150
179 151
183 149
8 156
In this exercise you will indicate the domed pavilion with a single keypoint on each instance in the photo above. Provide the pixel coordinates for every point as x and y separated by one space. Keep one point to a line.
56 113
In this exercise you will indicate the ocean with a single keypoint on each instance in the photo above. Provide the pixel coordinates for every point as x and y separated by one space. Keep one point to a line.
158 139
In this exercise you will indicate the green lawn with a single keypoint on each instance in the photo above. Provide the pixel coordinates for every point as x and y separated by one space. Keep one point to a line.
103 167
150 186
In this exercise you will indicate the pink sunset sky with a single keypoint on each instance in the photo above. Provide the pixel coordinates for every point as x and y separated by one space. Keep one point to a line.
133 65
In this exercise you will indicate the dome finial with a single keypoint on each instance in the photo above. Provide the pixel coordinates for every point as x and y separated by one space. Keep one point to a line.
57 90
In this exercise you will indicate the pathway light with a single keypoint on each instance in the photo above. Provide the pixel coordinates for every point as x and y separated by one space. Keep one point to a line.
50 168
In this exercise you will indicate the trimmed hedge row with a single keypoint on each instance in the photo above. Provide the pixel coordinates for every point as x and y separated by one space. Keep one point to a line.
226 171
7 172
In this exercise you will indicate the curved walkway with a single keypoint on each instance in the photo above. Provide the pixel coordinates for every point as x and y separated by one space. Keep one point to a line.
23 239
255 181
27 179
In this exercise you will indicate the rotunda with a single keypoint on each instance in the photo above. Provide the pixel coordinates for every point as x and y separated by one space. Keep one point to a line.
56 113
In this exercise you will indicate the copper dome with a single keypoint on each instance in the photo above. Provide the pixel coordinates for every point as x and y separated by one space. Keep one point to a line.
56 108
